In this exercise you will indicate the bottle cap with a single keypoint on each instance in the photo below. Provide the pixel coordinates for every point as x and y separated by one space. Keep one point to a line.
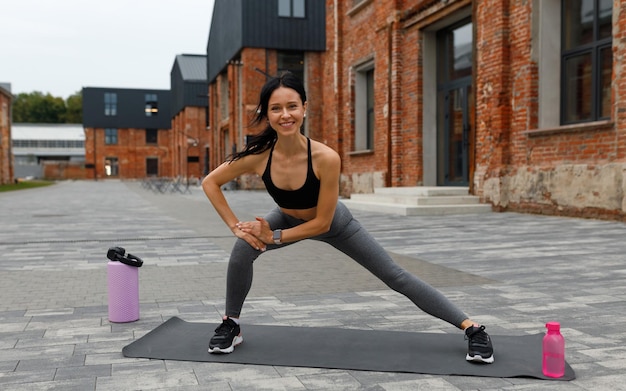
553 326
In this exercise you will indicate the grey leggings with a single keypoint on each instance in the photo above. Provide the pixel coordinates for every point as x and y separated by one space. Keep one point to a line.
348 236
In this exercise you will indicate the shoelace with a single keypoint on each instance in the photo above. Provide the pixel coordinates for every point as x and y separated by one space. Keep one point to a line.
224 329
478 336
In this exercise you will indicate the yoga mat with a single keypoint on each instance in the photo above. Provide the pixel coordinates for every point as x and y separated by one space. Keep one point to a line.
348 349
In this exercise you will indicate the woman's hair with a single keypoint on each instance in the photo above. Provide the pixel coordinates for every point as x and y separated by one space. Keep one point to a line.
261 142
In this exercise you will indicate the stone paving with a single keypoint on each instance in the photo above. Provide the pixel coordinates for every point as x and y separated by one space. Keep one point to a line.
512 272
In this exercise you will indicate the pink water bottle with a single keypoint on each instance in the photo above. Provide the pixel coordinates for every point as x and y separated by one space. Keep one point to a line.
553 351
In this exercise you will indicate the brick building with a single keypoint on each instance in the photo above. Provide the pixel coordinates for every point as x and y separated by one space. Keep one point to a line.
140 133
127 133
519 101
6 155
190 132
248 41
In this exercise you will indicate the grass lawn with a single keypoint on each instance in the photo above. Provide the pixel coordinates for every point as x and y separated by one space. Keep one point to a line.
25 185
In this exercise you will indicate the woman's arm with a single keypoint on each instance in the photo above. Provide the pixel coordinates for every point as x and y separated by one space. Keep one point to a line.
212 186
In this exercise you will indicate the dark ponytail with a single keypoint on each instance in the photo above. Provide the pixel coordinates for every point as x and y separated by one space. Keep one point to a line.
263 141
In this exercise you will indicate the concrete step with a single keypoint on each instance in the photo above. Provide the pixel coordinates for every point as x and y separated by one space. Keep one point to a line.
416 201
424 191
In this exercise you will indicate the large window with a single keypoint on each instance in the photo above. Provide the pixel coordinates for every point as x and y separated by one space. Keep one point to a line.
586 58
364 108
291 8
152 136
55 144
152 105
292 62
110 104
110 136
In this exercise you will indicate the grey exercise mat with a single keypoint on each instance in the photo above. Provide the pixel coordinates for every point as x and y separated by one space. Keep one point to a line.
348 349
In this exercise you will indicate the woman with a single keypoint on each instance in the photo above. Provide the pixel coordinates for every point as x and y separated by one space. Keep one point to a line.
302 176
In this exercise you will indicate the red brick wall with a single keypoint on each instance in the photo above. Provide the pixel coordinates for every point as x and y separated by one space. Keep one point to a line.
575 170
189 139
131 152
64 170
571 170
6 158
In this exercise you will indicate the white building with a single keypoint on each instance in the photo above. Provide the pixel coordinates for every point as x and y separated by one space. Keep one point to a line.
34 144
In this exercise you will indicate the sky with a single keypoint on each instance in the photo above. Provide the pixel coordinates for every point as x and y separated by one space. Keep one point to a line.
61 46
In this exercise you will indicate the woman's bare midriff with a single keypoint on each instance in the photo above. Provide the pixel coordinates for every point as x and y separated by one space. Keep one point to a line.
302 214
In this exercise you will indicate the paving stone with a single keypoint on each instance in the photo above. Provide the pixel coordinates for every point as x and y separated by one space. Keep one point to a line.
512 272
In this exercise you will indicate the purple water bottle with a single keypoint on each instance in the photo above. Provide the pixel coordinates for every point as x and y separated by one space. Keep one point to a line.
123 285
553 351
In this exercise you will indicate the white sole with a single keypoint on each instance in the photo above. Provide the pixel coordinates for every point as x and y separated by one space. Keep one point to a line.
236 341
477 358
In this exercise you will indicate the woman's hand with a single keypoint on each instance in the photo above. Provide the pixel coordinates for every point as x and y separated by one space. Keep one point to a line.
259 229
252 240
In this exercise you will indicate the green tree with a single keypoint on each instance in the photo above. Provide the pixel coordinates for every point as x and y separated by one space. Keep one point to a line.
74 108
35 107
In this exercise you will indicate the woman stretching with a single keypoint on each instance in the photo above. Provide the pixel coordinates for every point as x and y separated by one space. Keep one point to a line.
302 176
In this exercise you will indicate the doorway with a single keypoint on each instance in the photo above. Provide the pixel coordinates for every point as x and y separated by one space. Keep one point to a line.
455 102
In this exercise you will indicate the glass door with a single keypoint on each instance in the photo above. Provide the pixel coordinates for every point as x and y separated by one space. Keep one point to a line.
454 104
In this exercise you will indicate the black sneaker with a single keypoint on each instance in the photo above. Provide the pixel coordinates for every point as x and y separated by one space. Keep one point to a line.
227 336
479 347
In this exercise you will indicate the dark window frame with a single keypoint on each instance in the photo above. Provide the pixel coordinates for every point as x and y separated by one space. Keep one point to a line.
114 165
152 105
110 104
152 136
594 48
370 109
111 136
152 166
292 61
287 9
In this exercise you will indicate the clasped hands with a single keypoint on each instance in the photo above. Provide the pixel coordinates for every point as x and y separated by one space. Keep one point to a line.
256 233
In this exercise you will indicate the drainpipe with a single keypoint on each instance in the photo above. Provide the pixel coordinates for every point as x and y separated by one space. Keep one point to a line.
95 160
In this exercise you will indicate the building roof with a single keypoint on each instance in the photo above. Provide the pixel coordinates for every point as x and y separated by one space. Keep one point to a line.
192 66
6 87
25 131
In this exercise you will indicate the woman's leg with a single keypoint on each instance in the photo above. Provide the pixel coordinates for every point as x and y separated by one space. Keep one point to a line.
348 236
240 265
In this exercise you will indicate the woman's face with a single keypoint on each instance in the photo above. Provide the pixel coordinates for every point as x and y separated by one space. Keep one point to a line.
285 110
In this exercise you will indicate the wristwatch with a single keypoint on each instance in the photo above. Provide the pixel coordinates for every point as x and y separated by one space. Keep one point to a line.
277 236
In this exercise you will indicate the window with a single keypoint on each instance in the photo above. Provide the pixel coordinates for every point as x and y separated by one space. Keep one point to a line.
110 136
4 116
152 166
110 104
586 60
152 136
111 166
152 106
364 108
224 96
56 144
292 62
291 8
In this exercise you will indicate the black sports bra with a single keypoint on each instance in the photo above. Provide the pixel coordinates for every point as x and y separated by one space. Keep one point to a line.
302 198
